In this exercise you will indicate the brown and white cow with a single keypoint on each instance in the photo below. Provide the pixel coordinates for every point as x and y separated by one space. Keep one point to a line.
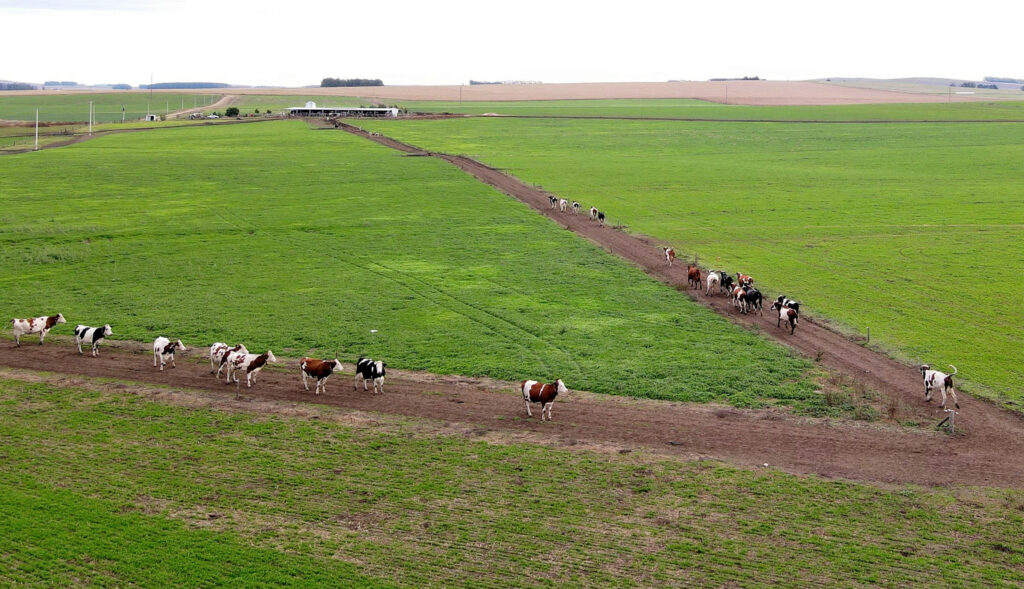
219 355
249 364
670 254
40 325
935 379
538 392
744 280
163 350
693 278
320 370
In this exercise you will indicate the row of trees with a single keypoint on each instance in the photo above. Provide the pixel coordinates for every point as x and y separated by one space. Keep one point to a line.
16 86
336 82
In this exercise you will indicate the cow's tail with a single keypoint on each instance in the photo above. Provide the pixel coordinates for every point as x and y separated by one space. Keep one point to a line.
954 370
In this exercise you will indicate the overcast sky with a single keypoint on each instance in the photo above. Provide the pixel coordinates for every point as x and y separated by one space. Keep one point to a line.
436 42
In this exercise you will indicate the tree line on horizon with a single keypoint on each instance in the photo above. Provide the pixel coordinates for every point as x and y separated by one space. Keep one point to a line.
339 82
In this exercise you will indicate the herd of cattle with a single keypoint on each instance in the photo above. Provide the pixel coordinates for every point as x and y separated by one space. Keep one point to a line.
237 359
744 296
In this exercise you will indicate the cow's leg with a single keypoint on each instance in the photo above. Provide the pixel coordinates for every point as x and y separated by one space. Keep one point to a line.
42 334
529 412
548 408
155 354
943 404
355 382
927 393
79 342
173 365
381 385
17 339
956 403
304 383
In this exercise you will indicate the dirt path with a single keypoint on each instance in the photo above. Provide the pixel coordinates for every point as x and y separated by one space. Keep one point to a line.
748 438
225 101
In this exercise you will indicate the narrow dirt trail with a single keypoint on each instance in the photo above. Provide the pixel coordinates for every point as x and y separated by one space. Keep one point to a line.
748 438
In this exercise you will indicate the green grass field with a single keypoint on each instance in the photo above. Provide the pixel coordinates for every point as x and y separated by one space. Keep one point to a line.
699 109
911 230
111 489
301 240
107 105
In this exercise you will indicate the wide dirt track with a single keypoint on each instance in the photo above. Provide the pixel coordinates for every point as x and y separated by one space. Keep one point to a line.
748 438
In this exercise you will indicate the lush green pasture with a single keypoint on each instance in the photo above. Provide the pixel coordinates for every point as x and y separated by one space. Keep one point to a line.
297 240
699 109
107 105
912 230
112 489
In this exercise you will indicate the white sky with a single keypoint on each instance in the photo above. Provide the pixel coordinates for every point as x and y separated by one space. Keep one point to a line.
449 42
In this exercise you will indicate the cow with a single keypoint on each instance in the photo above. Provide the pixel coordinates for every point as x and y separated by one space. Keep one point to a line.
562 204
593 213
40 325
714 279
787 313
783 301
163 349
219 355
320 370
250 364
934 379
576 207
600 217
229 359
368 369
553 201
92 335
670 254
753 299
693 276
737 298
727 283
538 392
744 280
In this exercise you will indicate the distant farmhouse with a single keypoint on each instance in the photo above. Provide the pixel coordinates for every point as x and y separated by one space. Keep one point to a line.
312 110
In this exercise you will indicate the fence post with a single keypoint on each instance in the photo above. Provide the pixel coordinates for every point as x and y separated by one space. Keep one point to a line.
869 335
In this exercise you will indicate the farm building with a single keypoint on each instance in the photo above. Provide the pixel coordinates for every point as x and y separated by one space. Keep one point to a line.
312 110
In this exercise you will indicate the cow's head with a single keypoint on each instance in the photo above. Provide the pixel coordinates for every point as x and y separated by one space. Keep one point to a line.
925 368
107 332
560 387
60 318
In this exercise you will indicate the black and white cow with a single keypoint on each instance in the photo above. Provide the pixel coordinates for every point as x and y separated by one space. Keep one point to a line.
600 217
783 301
368 369
553 201
576 207
753 299
91 335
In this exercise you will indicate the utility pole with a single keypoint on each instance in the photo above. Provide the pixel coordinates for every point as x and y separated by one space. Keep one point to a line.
90 117
37 129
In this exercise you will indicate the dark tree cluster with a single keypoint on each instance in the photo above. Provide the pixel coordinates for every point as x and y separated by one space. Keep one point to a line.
338 82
